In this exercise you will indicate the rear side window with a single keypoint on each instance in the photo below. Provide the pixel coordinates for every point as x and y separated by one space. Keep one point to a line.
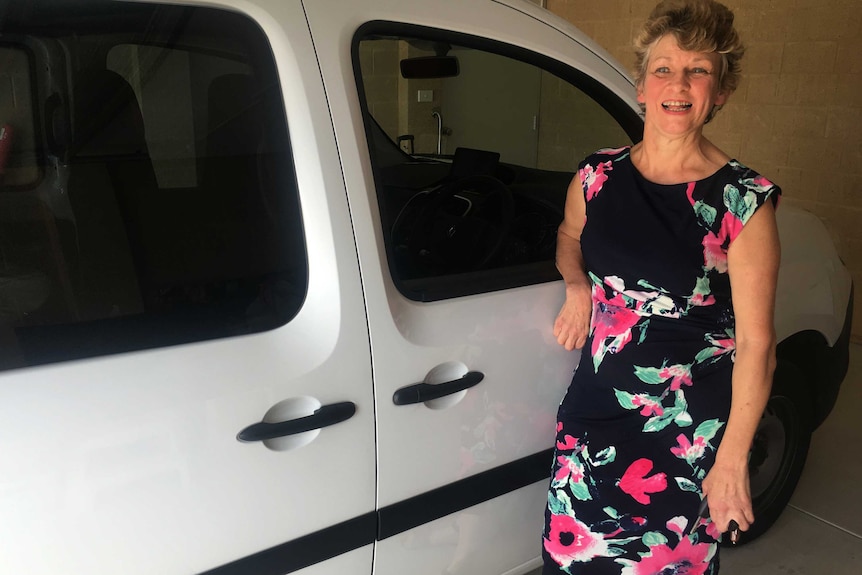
166 211
473 144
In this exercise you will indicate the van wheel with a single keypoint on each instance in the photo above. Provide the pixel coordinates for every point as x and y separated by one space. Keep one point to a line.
779 449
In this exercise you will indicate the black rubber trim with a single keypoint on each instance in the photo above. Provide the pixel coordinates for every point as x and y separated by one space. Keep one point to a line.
305 551
416 511
393 519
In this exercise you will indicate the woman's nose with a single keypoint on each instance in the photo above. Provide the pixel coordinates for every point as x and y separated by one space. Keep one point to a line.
681 80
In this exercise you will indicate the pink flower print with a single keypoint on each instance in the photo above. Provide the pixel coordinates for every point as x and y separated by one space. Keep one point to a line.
730 225
717 346
677 525
726 344
593 180
569 470
571 541
762 183
712 530
686 558
700 299
650 406
678 375
612 329
689 192
714 256
636 483
568 443
687 450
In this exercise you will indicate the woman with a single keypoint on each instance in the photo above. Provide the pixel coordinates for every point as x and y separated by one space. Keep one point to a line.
662 410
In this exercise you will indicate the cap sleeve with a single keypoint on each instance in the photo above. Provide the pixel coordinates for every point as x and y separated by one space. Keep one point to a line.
744 197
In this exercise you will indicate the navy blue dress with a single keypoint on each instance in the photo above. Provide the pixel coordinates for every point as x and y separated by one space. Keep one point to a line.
638 428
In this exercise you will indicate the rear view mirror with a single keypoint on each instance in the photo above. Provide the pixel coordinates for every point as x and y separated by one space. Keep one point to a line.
430 67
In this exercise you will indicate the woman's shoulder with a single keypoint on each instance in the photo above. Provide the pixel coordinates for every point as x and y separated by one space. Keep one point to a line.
738 191
605 155
749 178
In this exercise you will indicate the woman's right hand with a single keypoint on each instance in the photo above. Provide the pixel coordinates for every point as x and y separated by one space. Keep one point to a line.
573 322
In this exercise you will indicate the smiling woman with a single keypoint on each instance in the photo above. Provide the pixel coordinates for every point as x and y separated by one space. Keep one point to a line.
656 239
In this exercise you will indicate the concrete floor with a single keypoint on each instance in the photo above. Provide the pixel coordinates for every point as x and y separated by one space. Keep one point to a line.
820 532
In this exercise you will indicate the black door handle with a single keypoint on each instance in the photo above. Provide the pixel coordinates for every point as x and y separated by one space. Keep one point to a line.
422 392
323 417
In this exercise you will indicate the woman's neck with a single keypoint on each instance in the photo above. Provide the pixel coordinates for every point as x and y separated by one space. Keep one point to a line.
666 160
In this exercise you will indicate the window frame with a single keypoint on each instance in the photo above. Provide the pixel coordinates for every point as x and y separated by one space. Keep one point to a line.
430 289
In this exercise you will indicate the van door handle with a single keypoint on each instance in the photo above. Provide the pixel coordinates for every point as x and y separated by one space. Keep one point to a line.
324 417
422 392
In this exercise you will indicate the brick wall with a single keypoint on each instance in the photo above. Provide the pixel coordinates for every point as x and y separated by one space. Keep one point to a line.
797 115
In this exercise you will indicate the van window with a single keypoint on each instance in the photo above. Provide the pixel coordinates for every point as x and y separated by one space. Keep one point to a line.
167 211
473 145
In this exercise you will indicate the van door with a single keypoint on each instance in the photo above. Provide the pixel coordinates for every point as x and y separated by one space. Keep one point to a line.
186 381
457 259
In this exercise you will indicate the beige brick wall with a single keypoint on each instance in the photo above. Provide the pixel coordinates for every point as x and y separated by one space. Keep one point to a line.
797 115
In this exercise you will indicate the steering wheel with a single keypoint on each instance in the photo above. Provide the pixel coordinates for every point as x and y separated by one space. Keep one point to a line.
445 235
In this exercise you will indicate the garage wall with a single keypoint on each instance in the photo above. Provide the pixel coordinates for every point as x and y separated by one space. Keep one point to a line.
796 117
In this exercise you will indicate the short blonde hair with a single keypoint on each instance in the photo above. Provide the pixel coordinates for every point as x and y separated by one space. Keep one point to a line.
698 26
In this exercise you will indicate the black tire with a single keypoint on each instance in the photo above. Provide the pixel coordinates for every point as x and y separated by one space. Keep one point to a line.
779 450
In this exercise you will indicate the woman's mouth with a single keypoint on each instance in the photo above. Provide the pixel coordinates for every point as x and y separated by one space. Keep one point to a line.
676 105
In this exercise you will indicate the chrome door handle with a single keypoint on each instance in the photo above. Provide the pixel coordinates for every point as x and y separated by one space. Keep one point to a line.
325 416
422 392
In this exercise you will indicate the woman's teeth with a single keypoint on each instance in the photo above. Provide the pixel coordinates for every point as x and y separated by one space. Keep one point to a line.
674 106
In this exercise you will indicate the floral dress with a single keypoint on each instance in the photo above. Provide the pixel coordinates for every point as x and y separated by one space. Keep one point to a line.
646 409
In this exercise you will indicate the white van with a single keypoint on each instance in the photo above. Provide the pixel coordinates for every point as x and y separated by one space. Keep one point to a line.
277 285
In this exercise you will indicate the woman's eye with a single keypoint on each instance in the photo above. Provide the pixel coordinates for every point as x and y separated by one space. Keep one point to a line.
700 71
662 70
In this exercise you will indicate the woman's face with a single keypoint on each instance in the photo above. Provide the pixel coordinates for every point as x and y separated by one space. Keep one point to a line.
679 88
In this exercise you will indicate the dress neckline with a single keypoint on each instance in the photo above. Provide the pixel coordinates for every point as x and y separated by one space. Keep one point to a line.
637 173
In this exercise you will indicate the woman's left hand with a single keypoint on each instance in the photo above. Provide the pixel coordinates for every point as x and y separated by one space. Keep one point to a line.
729 493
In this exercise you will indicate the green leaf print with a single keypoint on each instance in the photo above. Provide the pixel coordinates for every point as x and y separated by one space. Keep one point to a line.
683 419
611 512
739 204
707 354
580 490
625 399
649 374
677 414
708 429
642 328
659 422
559 503
604 456
686 484
705 213
653 538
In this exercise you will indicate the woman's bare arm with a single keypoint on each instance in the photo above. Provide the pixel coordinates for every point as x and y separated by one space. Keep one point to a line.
752 260
573 322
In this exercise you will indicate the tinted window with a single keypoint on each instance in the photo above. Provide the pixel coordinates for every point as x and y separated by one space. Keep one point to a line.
18 164
472 169
167 211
